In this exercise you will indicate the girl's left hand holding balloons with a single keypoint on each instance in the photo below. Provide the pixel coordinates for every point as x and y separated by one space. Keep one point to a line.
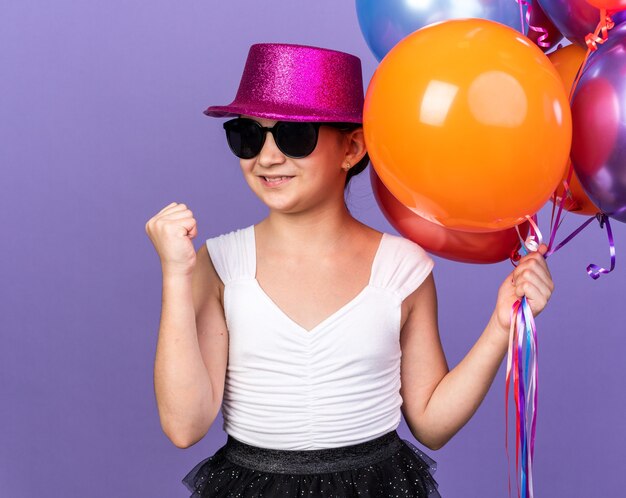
531 278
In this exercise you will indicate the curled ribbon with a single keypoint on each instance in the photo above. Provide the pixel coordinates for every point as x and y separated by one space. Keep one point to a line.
534 239
601 34
598 37
541 40
595 271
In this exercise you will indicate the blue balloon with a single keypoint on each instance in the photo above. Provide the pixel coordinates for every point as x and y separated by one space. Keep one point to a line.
385 22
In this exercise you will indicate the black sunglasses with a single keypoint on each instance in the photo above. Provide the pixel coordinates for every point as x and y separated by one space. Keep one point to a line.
294 139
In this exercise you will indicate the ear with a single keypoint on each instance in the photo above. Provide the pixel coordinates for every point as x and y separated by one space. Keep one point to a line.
356 146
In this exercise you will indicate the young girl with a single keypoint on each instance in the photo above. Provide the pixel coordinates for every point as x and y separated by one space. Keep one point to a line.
312 331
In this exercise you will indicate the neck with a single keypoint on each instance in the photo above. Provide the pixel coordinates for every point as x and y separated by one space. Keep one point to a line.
311 232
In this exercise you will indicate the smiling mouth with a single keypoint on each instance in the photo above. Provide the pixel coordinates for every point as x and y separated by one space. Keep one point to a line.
276 179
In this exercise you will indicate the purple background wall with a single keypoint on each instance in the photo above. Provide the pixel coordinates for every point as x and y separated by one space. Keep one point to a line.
100 127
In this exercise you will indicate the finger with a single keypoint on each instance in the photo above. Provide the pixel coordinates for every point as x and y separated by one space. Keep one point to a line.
533 291
173 207
536 299
533 273
528 289
534 256
183 227
177 215
542 260
537 263
168 206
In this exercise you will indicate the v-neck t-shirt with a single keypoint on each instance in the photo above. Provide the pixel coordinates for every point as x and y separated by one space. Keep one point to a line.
337 384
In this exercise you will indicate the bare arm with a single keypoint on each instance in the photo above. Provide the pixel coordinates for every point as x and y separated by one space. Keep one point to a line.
438 402
192 352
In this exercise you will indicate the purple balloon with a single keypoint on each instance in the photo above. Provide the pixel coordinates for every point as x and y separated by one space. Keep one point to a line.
599 126
574 18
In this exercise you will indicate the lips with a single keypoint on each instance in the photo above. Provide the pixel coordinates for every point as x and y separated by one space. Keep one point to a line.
274 181
275 178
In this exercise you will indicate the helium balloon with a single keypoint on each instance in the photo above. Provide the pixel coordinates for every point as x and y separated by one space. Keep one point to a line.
466 247
385 23
599 126
574 18
467 123
567 61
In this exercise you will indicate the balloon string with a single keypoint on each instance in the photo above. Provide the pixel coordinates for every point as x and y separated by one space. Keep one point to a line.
531 377
541 40
592 40
556 223
601 33
522 363
572 205
553 212
522 369
571 236
594 271
522 4
533 240
509 369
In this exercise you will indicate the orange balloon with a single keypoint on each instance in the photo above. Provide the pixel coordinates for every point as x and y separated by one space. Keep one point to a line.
467 123
466 247
566 61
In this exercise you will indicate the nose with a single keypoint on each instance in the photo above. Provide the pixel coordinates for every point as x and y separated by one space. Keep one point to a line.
270 154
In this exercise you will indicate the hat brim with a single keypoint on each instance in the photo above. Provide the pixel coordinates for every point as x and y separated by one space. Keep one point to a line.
282 113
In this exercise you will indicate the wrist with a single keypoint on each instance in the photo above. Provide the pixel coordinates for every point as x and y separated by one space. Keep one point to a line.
175 277
500 330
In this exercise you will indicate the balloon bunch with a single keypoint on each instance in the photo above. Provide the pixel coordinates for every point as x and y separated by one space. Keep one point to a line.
468 125
470 128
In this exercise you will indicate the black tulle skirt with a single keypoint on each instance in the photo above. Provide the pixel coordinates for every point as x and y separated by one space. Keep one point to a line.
385 467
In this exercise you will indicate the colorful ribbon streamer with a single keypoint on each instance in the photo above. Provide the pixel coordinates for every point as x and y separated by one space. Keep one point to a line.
522 358
522 363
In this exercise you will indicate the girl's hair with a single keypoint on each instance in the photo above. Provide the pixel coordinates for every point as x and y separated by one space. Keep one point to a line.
357 168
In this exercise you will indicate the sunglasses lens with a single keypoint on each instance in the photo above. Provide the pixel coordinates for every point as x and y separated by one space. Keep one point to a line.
245 137
296 139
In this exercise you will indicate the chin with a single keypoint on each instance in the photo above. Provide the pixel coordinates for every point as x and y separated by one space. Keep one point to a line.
276 200
287 207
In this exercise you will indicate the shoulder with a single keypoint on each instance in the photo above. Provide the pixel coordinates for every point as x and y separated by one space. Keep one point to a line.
404 265
233 253
206 275
230 236
406 249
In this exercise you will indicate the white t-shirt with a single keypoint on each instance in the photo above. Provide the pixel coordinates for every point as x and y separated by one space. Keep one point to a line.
335 385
